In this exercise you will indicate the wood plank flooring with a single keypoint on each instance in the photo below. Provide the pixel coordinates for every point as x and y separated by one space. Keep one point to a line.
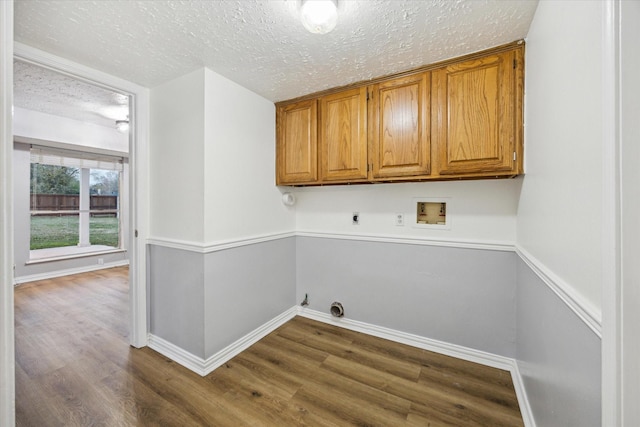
74 367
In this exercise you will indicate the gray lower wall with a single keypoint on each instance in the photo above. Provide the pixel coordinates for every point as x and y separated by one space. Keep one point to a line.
558 356
245 288
176 295
460 296
481 299
204 302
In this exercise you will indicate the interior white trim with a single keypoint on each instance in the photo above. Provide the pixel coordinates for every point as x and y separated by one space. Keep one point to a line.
523 398
441 347
205 366
205 248
589 314
578 304
452 243
59 273
34 261
183 245
139 182
613 398
77 71
247 341
139 216
7 348
177 354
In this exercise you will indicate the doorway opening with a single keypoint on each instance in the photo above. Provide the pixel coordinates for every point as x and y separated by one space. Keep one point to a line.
124 214
70 173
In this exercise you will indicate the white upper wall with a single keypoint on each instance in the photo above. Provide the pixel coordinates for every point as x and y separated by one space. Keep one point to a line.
482 211
241 199
33 125
560 211
212 162
176 159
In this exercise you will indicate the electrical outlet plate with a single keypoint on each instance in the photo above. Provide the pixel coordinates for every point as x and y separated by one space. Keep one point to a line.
400 219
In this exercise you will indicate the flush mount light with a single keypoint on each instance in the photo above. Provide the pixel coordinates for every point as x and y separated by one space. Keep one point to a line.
122 126
319 16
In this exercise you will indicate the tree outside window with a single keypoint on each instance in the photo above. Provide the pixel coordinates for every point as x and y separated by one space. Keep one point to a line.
56 206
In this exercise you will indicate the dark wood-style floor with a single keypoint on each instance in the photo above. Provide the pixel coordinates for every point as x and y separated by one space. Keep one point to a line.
74 367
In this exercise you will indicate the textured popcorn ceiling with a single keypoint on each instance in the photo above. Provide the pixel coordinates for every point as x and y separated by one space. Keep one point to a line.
262 45
40 89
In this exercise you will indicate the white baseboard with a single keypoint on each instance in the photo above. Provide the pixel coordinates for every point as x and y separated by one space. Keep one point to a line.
177 354
67 272
457 351
205 366
441 347
523 399
247 341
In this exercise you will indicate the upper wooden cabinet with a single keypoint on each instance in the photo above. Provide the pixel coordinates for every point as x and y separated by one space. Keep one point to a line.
297 143
459 119
474 115
343 136
399 132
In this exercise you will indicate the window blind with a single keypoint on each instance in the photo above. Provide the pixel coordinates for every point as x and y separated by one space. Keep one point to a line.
75 159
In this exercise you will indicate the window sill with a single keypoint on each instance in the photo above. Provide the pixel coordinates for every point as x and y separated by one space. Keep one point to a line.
39 256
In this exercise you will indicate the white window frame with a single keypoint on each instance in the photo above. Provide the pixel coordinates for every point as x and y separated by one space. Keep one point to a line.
84 160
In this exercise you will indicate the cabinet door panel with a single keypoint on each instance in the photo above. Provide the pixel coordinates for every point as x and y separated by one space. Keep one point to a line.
474 115
400 135
343 135
297 160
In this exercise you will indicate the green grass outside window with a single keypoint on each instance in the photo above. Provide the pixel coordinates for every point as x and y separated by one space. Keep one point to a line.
59 231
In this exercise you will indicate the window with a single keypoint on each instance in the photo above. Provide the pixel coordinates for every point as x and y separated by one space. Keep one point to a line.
104 200
75 201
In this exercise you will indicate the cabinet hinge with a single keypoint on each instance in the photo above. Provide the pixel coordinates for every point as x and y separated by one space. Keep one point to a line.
367 99
515 63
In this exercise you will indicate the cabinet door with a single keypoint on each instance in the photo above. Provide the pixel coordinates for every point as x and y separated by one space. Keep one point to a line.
297 143
400 128
343 136
474 115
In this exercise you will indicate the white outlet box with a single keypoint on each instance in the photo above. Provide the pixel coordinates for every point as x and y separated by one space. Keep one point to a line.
400 219
100 261
432 212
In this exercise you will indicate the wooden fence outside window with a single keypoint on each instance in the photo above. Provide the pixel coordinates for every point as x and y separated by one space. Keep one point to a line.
69 204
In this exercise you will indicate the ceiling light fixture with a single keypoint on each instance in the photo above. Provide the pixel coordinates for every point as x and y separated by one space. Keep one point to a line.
319 16
122 126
